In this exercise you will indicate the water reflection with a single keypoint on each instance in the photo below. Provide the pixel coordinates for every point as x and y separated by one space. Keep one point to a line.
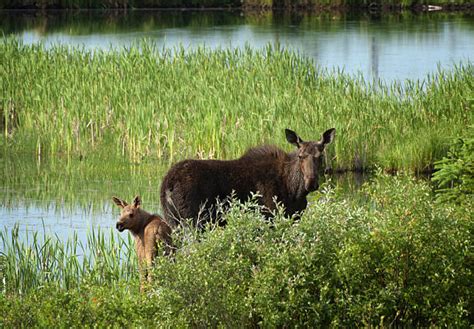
60 197
398 46
54 221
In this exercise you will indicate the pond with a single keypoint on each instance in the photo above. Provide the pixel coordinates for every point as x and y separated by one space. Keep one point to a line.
62 196
388 47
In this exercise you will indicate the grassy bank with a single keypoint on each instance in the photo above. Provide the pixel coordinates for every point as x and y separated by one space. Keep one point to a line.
399 259
150 103
262 4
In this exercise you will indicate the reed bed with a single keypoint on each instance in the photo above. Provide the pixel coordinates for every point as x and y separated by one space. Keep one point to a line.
147 102
30 261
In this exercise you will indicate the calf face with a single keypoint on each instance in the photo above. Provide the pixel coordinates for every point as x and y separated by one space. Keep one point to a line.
129 214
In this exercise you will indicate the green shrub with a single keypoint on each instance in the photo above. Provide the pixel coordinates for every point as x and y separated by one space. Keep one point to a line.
90 306
454 174
399 259
406 261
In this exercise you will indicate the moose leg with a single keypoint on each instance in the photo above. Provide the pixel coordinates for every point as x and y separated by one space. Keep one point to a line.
269 203
150 256
142 271
143 274
168 245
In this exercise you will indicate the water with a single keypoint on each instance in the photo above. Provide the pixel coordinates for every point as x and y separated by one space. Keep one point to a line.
387 47
63 197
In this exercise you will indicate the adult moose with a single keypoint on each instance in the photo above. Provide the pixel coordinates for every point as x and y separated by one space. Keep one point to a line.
191 187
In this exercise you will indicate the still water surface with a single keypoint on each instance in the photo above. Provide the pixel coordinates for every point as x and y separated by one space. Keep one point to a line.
388 47
67 198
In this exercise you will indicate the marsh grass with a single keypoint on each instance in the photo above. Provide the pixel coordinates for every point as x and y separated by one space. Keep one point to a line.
38 259
149 102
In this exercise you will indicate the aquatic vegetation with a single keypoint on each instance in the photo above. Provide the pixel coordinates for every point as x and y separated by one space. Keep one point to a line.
150 103
105 259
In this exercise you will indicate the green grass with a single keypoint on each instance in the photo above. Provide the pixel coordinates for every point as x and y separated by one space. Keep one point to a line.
39 259
398 259
151 103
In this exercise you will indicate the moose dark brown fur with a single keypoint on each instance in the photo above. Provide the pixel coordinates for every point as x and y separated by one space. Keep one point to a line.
147 229
191 187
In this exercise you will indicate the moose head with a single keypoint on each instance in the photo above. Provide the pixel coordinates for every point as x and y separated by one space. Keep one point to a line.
130 215
309 156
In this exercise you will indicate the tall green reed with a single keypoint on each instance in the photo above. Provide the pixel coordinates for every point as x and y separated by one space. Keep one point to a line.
33 260
148 102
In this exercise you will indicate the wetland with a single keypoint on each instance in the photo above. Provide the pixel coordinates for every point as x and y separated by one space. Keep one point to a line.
95 105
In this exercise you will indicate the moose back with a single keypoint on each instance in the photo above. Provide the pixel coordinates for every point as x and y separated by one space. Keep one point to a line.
191 188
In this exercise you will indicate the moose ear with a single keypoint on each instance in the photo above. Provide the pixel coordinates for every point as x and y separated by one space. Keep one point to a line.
293 138
137 201
328 136
120 203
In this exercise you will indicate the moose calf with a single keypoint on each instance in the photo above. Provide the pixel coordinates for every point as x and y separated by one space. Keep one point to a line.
147 229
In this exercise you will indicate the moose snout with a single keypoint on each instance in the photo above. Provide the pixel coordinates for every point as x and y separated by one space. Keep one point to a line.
120 226
311 184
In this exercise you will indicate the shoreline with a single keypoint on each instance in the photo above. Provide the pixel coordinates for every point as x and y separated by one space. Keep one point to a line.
372 7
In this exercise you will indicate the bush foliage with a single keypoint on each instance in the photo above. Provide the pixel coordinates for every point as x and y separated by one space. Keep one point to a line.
398 259
455 173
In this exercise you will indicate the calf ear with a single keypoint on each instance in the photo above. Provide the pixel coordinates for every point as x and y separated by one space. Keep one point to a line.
293 138
137 201
120 203
328 136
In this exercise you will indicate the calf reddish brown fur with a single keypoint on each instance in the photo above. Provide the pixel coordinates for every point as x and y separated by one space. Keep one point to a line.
191 187
147 229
